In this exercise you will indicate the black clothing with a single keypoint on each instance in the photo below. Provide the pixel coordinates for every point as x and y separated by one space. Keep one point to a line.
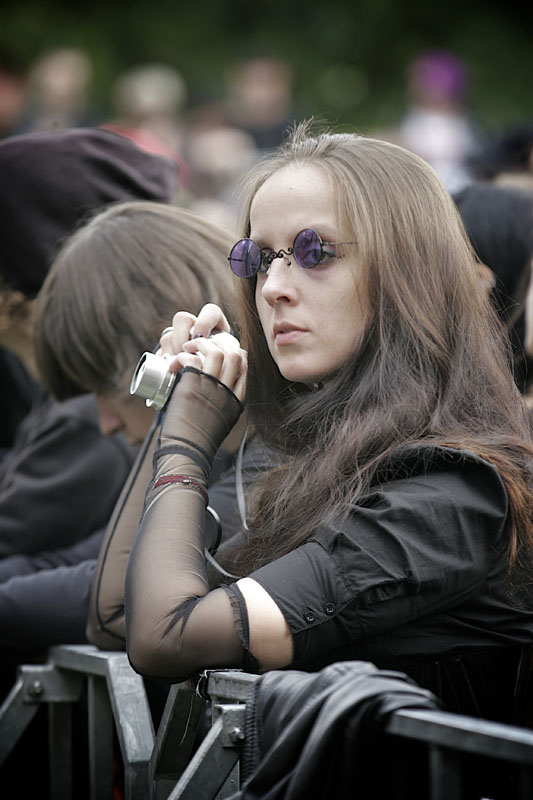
321 736
61 478
411 579
44 597
22 565
58 487
106 619
46 608
417 571
19 392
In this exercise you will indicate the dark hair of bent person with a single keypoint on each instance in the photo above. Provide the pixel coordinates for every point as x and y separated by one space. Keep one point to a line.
434 366
115 282
499 223
57 179
509 152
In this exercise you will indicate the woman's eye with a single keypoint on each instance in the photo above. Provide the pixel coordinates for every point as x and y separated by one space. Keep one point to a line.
265 260
328 252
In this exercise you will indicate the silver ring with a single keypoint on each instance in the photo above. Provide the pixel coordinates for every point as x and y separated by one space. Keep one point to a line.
166 330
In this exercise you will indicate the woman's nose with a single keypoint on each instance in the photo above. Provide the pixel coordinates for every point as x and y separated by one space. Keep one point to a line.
279 281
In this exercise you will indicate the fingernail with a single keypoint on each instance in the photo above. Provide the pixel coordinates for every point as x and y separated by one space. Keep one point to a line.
197 336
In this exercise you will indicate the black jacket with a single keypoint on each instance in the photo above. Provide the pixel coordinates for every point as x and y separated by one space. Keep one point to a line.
60 480
322 735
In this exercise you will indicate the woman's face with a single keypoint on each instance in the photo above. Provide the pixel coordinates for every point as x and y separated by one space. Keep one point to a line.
312 318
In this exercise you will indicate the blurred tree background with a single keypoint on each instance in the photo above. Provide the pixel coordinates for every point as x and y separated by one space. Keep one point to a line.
349 56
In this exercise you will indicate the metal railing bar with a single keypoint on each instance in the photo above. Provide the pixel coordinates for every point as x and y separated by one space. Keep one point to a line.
60 750
229 685
84 658
176 733
100 739
15 716
212 764
445 774
468 734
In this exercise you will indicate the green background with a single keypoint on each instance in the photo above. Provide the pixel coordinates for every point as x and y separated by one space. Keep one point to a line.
349 56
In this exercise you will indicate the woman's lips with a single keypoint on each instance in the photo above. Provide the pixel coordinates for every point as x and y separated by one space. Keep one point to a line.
285 336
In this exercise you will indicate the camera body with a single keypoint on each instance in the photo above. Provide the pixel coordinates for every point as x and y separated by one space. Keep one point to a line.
152 379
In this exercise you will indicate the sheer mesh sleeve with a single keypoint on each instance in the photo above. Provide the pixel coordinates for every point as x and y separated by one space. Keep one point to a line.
175 626
106 628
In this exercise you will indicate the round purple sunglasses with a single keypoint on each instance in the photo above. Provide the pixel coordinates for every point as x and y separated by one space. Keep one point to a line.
247 258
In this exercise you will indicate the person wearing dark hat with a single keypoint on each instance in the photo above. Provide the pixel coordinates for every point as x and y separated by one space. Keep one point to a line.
59 477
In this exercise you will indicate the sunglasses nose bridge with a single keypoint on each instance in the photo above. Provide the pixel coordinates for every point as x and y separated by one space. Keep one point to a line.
280 254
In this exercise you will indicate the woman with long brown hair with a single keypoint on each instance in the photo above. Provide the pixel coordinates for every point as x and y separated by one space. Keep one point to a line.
396 527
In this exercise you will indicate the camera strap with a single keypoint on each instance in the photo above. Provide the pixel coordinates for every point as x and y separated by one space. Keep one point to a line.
241 500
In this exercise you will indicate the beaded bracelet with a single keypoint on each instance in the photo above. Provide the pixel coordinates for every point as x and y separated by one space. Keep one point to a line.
184 480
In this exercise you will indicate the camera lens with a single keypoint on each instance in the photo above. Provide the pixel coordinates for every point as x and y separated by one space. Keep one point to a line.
152 380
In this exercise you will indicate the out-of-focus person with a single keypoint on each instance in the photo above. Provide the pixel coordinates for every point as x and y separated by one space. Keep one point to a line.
59 85
507 157
437 124
148 102
12 93
260 98
499 222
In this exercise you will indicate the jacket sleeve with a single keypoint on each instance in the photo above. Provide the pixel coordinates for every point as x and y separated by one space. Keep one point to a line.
106 628
20 565
61 480
46 608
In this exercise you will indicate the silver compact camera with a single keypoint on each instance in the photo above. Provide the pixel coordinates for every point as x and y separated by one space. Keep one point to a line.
152 379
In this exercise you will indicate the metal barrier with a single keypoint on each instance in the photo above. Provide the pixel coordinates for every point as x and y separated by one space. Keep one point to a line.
115 699
162 767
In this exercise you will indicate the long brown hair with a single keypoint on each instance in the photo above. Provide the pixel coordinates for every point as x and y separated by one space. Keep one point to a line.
433 367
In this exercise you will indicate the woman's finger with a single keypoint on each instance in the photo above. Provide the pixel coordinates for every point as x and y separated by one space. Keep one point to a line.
210 320
179 332
224 358
188 360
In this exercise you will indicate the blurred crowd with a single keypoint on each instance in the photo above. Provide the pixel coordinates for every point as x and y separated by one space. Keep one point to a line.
215 138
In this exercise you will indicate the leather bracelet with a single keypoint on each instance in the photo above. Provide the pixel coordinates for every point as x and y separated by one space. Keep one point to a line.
183 480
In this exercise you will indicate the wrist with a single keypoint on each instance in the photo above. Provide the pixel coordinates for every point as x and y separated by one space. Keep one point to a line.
201 411
186 481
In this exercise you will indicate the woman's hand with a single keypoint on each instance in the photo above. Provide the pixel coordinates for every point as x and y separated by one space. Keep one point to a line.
204 342
186 326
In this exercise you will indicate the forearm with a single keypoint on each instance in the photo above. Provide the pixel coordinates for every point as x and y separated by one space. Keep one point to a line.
169 607
106 626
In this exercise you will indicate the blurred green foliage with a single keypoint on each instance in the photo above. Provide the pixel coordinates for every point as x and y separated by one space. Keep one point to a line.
349 56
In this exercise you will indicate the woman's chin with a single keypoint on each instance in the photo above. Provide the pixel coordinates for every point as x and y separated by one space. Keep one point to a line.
300 374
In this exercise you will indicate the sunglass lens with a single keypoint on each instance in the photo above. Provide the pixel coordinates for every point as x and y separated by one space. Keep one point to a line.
245 258
307 248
